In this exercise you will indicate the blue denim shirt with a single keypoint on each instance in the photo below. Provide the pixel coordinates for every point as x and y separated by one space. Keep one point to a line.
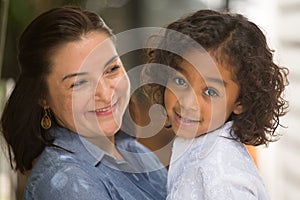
77 169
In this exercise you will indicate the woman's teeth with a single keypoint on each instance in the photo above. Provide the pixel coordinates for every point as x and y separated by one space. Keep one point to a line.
103 109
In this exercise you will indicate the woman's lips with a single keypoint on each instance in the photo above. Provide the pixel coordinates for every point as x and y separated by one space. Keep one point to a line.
185 121
106 110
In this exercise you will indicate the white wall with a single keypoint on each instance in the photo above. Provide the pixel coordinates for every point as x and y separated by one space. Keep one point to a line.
280 162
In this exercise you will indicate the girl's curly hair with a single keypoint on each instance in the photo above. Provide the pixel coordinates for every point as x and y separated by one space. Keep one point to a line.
240 46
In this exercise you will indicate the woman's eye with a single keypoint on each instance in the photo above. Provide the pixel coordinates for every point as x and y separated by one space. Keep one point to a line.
180 81
211 92
78 83
112 69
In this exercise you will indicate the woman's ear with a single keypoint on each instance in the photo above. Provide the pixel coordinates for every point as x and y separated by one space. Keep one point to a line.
238 108
43 103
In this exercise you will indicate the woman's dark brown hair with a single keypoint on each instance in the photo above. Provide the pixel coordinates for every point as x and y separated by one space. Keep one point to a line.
240 46
20 122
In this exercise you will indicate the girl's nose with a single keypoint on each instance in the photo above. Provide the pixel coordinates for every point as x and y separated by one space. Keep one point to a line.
189 100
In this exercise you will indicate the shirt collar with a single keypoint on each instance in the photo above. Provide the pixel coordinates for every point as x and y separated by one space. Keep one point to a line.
84 149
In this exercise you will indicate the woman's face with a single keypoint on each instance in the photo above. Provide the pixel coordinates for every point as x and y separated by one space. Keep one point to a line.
88 86
200 98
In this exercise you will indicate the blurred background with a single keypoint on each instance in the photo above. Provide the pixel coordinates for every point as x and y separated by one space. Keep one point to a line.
279 164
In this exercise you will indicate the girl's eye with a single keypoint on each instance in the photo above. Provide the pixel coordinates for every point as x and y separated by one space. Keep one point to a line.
211 92
78 83
180 81
112 69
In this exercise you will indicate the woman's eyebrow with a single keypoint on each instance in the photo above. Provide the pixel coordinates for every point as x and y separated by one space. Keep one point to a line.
111 60
84 73
72 75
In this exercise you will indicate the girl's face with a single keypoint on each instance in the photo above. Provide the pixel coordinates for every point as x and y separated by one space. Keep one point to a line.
200 98
88 86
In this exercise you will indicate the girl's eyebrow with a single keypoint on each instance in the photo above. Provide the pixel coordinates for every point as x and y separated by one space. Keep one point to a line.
216 80
85 73
72 75
208 79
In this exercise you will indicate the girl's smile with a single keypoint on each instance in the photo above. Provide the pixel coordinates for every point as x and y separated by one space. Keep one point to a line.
200 97
184 121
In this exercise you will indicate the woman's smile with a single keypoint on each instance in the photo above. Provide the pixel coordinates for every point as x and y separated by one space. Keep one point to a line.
106 111
95 89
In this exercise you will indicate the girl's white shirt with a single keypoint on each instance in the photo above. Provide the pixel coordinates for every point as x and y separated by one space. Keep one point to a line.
213 167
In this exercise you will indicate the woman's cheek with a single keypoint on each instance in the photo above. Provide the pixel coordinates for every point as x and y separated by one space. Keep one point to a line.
123 86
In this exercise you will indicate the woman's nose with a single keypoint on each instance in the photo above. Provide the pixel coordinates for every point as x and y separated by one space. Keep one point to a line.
104 91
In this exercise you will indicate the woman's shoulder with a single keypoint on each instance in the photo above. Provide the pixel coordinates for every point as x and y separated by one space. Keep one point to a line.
60 178
51 164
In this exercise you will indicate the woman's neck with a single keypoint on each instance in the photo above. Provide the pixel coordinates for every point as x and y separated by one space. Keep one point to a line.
107 144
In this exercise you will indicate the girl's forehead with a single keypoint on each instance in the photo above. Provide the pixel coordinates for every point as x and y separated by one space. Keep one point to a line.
200 62
202 67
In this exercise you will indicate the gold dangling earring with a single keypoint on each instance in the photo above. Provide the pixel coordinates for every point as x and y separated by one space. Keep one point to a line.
46 120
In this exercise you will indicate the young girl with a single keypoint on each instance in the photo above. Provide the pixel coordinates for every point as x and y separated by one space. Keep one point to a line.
216 101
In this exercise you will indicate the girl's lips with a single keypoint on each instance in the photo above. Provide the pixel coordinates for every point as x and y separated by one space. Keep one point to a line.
106 110
185 121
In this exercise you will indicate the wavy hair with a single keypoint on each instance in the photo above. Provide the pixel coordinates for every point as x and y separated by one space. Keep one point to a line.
241 47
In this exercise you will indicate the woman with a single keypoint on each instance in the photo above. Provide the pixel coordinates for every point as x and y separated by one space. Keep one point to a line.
63 117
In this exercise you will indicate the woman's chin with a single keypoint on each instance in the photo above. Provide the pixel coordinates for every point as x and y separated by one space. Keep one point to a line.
110 129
